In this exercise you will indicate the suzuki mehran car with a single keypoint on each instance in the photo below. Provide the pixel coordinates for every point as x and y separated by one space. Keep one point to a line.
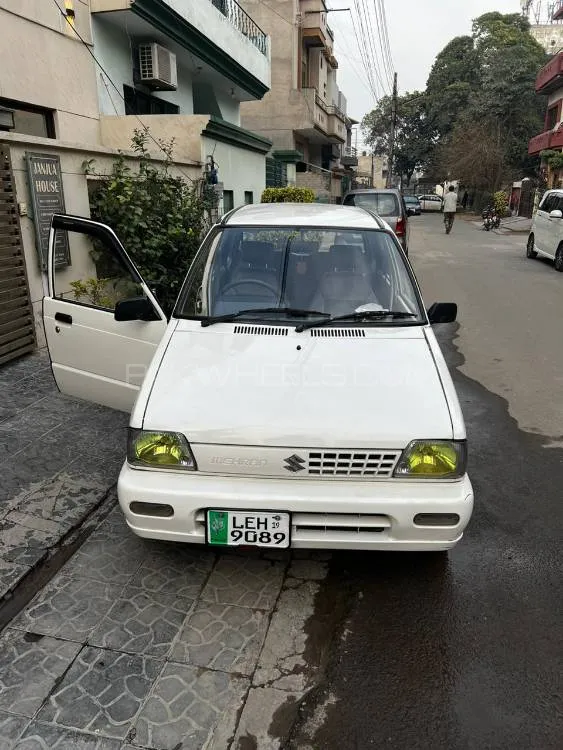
296 397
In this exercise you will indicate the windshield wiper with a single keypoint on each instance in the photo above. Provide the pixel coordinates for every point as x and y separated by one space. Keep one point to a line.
290 311
366 315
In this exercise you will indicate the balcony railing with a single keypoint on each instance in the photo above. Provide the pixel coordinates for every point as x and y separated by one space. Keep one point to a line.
334 110
243 22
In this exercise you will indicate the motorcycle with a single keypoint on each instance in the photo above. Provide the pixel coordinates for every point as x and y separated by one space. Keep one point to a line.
491 220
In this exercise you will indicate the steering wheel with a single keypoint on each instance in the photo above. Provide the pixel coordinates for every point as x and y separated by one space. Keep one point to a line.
256 282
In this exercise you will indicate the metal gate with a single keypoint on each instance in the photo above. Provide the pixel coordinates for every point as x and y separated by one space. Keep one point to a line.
17 330
276 173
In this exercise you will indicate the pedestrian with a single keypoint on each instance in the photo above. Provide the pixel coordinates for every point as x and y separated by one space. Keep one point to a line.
450 208
464 200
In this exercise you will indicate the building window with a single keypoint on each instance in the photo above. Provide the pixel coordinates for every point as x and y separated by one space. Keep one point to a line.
228 200
19 117
552 117
139 103
248 197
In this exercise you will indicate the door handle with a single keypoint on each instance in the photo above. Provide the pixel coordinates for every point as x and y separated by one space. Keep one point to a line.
63 318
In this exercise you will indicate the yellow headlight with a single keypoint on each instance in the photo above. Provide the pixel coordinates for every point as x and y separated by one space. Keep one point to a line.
438 459
159 449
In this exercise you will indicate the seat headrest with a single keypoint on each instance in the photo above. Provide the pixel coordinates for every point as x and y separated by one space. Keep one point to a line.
346 257
255 253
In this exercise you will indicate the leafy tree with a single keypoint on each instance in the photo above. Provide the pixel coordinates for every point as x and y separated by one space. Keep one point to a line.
160 217
414 134
484 85
453 79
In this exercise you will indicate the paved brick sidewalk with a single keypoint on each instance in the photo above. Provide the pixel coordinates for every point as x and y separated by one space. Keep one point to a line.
141 644
58 459
134 643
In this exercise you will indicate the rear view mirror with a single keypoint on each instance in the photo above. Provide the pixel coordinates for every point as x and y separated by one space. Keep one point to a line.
442 312
135 308
556 214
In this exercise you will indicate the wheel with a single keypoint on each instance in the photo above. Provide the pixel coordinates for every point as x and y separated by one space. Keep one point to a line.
559 259
530 252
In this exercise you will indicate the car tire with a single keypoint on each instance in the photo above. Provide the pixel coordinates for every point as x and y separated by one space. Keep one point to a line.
558 264
530 252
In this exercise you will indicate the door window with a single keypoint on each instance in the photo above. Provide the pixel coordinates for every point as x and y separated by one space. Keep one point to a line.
96 277
548 202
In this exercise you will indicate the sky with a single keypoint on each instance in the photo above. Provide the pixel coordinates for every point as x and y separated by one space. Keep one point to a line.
418 31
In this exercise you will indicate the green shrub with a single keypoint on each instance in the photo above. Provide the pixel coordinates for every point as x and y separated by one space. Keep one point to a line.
159 217
500 201
288 195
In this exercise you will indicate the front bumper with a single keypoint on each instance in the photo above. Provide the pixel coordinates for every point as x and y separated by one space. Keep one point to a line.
329 514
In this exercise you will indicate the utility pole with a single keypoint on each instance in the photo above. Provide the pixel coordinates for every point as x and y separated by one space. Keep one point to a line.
389 182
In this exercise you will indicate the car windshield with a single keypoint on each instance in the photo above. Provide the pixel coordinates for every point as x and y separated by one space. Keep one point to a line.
383 204
410 199
284 273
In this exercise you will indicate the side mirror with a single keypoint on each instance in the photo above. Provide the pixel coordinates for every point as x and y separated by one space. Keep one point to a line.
556 214
442 312
135 308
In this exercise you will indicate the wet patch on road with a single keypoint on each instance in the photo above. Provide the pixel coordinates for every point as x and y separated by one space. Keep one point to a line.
459 651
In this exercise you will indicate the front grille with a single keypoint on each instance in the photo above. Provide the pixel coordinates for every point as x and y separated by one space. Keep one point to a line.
262 330
348 524
339 333
352 464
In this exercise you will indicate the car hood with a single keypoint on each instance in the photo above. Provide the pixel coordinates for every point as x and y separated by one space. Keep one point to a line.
254 385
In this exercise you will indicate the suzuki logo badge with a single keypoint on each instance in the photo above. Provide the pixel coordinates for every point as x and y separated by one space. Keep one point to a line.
294 463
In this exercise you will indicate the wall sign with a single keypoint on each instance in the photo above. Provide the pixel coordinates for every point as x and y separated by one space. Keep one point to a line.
46 187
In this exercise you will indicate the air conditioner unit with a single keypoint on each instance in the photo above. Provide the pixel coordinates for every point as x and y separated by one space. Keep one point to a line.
157 67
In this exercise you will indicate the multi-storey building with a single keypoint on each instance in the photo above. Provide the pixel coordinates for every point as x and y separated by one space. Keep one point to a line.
550 83
77 77
304 113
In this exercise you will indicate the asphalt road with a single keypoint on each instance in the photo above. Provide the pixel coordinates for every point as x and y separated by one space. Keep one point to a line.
465 654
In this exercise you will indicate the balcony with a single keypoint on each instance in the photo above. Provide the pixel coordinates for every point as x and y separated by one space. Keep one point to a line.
550 77
336 123
548 139
243 22
315 29
215 36
349 157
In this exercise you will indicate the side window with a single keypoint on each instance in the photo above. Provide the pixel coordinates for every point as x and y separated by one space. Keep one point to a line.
547 202
349 200
558 204
97 276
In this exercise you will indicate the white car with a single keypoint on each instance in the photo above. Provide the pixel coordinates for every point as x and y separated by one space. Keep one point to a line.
430 202
297 397
546 235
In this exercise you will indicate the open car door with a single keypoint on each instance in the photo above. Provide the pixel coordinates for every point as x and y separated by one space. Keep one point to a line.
102 322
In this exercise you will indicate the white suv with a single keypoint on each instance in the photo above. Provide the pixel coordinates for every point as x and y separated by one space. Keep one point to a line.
546 236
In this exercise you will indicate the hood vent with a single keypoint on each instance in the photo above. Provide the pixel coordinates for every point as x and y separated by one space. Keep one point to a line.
339 333
262 330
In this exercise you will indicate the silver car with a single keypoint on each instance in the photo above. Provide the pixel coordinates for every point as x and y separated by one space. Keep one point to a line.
388 204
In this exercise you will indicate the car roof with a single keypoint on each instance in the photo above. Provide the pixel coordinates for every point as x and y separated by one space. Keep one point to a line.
373 190
303 215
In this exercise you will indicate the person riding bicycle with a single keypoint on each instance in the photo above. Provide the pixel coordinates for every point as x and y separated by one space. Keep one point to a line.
450 208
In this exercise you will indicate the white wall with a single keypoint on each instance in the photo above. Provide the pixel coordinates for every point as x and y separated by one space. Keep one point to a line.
239 170
210 21
230 108
113 50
